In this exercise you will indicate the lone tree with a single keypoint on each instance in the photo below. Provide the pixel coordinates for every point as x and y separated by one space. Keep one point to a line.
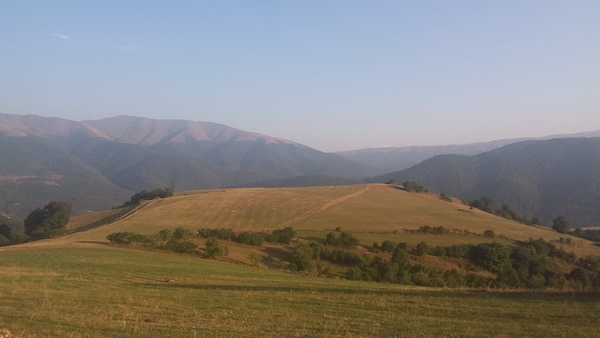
49 220
561 225
214 249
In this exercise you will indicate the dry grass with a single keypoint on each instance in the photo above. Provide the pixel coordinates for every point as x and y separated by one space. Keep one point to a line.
108 292
371 212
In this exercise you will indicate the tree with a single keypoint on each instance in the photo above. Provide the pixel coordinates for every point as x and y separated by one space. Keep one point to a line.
484 203
422 249
214 249
302 258
401 257
489 233
412 186
561 225
388 246
331 239
181 233
445 197
283 236
494 257
49 220
5 230
145 195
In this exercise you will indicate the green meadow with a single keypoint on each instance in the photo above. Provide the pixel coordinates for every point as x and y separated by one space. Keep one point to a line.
79 286
111 292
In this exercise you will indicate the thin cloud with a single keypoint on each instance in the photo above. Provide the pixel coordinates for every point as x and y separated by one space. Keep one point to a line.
61 36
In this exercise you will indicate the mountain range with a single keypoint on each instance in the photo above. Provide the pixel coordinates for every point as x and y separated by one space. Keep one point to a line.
98 164
543 179
391 159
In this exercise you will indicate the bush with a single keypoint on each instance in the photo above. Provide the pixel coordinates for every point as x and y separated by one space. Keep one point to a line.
445 197
222 233
127 238
180 246
439 230
561 225
145 195
412 186
249 238
388 246
182 233
401 257
302 258
213 249
283 236
489 233
345 239
48 221
493 257
422 249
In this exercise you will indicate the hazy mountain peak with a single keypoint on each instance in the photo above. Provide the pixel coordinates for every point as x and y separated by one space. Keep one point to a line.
145 131
34 125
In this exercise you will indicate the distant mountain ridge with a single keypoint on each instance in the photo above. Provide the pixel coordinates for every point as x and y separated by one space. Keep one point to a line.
399 158
129 129
545 179
123 155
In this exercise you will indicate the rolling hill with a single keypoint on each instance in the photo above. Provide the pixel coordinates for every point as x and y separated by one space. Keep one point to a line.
110 159
373 212
90 287
544 179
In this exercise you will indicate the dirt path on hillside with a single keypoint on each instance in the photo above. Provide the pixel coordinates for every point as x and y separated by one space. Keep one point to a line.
324 207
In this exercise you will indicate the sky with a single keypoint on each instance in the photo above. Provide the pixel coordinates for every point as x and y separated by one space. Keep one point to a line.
332 75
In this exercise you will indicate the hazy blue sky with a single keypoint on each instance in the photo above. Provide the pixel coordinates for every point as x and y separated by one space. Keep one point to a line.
333 75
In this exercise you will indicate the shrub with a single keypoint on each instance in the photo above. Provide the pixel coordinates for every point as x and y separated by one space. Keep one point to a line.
494 257
255 258
283 236
561 225
250 238
301 258
145 195
182 233
439 230
489 233
127 238
213 249
222 233
445 197
388 246
345 239
412 186
422 249
180 246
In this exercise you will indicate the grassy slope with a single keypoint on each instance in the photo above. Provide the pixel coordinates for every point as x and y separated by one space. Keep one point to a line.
110 292
76 286
371 212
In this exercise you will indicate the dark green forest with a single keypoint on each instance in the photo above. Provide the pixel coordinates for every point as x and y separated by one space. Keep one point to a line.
541 179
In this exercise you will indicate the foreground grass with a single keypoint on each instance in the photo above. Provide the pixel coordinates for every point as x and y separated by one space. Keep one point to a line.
109 292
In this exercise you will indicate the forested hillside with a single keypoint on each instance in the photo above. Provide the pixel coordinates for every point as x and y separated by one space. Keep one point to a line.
544 179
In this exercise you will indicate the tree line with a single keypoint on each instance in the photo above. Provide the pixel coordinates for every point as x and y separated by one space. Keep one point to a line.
50 220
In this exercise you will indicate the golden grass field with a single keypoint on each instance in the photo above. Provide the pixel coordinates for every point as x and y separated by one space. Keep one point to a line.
372 213
79 286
